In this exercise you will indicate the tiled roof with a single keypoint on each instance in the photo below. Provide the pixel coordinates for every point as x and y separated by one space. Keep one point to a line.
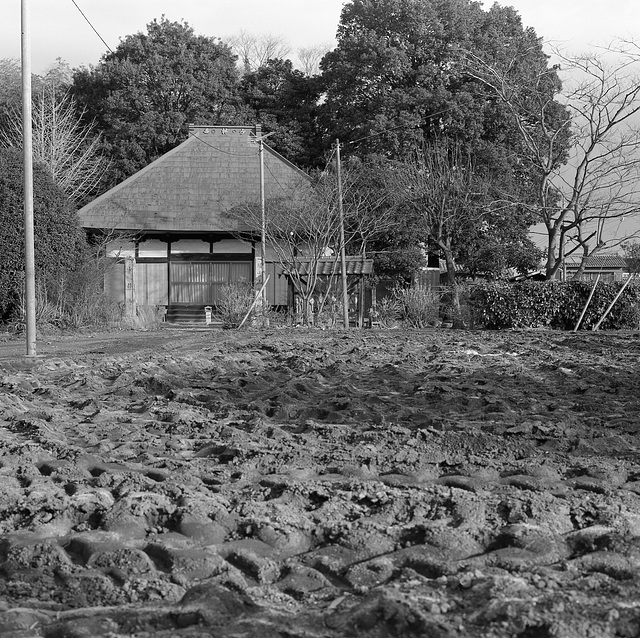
191 187
599 261
331 265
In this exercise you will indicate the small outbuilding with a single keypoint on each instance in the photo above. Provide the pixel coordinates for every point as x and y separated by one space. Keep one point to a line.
328 296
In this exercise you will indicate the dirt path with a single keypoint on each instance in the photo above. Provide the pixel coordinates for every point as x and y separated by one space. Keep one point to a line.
317 484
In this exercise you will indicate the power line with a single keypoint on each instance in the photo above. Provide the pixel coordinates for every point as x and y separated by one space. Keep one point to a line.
89 23
277 181
395 128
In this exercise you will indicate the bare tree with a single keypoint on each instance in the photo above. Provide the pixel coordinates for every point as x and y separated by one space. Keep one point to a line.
10 88
304 228
443 187
309 58
254 51
582 141
61 142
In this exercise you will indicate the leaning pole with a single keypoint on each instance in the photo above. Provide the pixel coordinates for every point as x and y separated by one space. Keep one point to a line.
29 252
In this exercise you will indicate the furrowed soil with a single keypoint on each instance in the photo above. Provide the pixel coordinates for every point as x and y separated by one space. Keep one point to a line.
301 483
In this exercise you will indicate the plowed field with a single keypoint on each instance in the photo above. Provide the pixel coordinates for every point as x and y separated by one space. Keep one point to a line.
302 483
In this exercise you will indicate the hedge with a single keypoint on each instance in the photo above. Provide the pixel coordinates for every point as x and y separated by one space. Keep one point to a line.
553 304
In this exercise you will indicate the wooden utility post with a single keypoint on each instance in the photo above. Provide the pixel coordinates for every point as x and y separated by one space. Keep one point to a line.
263 225
343 259
27 144
129 288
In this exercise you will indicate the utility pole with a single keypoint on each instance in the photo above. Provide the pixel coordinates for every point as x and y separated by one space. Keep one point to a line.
27 144
263 223
343 259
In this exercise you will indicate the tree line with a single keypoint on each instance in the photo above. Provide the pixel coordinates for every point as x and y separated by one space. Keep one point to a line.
456 114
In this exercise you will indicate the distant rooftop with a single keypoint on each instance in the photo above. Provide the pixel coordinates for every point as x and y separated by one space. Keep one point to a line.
599 261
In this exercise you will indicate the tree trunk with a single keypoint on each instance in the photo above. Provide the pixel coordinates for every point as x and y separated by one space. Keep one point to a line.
453 289
552 261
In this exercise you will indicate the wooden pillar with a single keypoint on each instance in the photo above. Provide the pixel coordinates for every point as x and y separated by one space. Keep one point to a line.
361 301
168 273
291 299
129 287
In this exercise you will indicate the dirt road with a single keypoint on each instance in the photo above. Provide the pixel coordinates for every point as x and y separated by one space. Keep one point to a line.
321 484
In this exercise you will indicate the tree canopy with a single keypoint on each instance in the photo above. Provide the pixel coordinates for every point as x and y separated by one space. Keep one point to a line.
398 80
285 101
59 242
397 77
144 95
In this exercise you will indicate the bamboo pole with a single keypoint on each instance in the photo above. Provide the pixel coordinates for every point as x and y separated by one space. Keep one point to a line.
584 310
606 312
255 300
263 218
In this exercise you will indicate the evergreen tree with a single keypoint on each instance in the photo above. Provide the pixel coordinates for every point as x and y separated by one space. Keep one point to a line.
143 96
285 101
398 81
59 241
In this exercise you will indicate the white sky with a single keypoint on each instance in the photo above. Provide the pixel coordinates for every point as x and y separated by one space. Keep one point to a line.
59 30
576 24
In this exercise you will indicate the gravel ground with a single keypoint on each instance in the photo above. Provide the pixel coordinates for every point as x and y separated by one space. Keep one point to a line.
318 484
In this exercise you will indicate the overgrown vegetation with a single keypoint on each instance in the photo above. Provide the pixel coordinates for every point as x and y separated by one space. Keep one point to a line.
488 139
69 273
234 303
416 307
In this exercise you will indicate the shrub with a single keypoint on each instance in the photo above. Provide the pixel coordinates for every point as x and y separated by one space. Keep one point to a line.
234 303
623 315
418 306
386 313
149 317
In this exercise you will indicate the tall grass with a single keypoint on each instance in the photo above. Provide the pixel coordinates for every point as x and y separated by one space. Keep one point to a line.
417 306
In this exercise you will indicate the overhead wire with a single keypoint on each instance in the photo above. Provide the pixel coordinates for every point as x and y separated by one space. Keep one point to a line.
221 150
395 128
91 25
277 181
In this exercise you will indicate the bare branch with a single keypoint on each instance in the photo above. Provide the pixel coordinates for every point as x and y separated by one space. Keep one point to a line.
310 57
254 51
66 147
599 179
